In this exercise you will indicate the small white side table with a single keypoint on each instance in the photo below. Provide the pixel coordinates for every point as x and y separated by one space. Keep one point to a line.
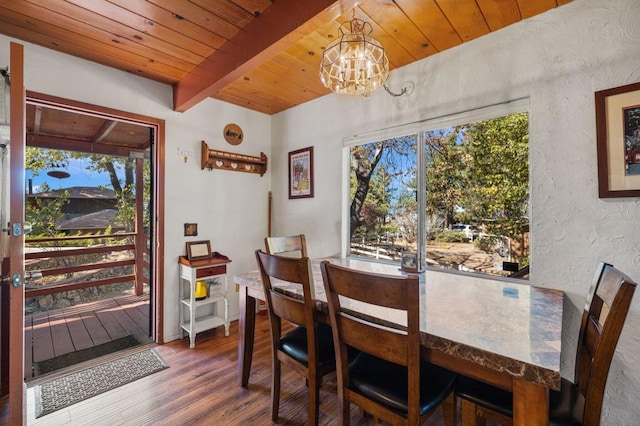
214 271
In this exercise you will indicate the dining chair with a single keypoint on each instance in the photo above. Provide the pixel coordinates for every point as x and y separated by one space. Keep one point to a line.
386 379
294 245
579 402
308 348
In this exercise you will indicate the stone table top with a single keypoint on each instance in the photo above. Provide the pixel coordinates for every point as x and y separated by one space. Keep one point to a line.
502 325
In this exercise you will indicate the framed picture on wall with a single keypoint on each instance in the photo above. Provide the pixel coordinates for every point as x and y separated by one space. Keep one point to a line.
301 173
618 141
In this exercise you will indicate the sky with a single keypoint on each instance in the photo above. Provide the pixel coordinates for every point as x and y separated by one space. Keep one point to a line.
79 176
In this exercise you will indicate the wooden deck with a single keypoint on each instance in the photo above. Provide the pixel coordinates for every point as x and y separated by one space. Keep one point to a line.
54 333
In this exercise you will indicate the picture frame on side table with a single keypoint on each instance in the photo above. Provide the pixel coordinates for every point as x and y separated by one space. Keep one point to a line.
301 173
618 141
197 250
409 262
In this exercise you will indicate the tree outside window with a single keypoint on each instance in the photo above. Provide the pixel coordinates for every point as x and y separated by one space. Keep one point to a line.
476 196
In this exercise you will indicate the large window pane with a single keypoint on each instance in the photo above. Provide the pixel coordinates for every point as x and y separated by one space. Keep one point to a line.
477 192
383 211
461 205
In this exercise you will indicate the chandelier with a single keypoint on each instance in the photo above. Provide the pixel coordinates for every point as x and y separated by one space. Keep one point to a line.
356 64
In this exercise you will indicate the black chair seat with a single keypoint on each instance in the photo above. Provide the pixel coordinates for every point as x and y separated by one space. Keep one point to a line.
386 383
294 344
485 395
565 406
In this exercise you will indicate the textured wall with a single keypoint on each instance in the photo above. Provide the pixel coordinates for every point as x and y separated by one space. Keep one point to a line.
558 60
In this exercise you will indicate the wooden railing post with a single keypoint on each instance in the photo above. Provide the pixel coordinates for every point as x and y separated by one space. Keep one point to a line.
140 238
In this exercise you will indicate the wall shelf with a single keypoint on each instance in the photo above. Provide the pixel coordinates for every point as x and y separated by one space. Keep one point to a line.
214 159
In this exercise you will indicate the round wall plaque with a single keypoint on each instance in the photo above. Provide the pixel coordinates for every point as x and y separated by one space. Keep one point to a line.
233 134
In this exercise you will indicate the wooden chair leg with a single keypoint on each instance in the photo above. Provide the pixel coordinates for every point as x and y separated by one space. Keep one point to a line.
314 401
275 388
344 410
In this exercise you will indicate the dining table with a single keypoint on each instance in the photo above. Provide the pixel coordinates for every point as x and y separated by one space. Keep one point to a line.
504 332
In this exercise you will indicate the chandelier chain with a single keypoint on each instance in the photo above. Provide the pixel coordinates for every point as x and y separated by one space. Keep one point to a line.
395 94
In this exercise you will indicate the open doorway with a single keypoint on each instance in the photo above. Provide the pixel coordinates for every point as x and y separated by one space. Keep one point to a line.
93 198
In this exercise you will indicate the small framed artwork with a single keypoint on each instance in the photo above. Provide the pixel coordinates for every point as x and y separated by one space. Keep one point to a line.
198 250
409 262
618 141
190 229
301 173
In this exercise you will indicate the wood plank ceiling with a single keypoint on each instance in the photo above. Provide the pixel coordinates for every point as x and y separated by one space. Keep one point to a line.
260 54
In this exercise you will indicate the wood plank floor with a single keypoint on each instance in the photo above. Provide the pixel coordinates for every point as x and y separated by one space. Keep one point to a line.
59 332
200 387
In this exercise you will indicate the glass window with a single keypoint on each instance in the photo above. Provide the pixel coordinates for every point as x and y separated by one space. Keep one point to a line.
477 196
468 213
383 209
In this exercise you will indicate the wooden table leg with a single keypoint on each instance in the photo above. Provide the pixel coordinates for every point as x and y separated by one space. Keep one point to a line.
246 331
530 403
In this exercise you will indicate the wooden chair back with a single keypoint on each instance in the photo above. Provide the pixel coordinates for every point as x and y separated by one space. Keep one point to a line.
297 273
365 334
603 318
309 338
291 245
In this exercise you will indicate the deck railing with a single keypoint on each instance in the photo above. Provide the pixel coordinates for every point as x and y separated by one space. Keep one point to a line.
41 249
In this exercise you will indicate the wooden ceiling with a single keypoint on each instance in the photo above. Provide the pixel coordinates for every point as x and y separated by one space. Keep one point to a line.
260 54
62 129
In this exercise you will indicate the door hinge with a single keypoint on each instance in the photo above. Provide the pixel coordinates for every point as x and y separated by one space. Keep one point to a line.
18 228
16 280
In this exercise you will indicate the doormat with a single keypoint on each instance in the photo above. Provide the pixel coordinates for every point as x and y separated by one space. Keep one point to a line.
77 357
73 388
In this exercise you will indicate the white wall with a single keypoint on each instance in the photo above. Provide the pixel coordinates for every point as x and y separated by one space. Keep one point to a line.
558 60
230 208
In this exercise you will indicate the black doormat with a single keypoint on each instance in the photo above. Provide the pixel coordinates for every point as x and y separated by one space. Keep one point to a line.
77 357
75 387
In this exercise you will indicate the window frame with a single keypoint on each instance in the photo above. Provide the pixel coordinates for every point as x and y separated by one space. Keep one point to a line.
419 128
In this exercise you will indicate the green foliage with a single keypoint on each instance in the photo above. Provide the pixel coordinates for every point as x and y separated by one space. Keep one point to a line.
38 160
405 213
477 173
44 214
374 168
487 244
126 208
499 176
446 173
449 236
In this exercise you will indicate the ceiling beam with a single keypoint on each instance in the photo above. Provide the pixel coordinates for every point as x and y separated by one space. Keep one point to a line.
104 131
37 120
62 143
279 27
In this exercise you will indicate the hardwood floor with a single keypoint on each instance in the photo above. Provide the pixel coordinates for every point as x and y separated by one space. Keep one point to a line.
200 387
